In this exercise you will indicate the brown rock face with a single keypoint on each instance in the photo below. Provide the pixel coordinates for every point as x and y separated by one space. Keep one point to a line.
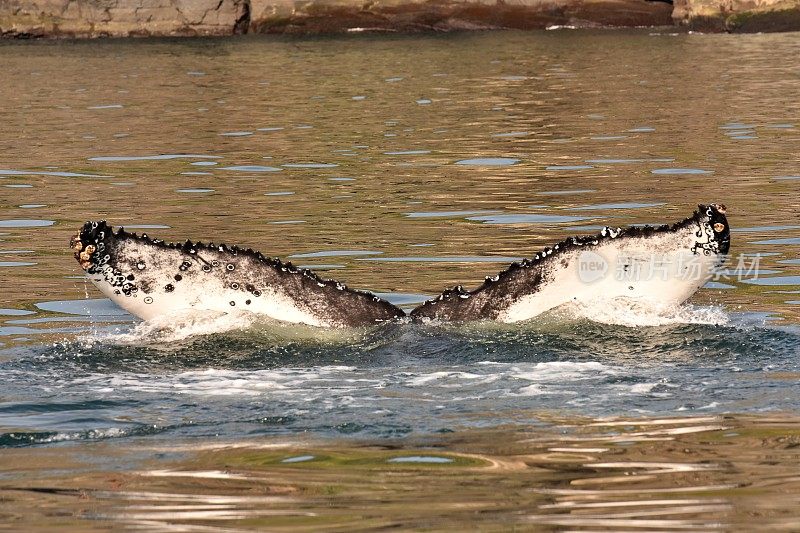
738 15
333 16
120 18
123 18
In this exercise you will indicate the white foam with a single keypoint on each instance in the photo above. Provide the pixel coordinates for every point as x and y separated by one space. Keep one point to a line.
631 313
440 378
165 330
559 370
320 382
175 327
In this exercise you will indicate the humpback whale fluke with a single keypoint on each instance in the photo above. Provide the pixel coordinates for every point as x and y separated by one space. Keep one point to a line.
148 277
661 265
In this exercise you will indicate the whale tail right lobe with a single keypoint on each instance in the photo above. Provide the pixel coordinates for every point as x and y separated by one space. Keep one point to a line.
664 265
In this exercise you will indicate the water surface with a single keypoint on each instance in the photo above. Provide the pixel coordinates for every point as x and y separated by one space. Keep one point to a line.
481 148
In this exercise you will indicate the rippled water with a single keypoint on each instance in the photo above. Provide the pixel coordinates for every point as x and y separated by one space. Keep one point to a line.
399 165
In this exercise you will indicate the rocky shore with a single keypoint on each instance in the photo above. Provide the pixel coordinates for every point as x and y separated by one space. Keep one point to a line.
134 18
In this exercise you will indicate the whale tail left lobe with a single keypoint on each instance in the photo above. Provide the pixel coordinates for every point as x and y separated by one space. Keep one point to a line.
149 277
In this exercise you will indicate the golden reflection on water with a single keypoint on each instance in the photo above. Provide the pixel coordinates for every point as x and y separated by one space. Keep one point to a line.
719 473
588 116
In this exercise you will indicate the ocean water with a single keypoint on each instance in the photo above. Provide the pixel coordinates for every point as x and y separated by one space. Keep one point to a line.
401 165
238 376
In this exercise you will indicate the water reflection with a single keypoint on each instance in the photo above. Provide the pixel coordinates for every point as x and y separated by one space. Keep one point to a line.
454 163
584 474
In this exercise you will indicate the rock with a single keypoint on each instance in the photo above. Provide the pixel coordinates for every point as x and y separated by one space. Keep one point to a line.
122 18
738 15
337 16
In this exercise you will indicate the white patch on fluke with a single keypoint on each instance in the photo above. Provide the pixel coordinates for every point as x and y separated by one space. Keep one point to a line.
207 292
656 270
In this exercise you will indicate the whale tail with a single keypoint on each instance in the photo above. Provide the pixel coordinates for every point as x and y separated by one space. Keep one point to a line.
663 265
148 277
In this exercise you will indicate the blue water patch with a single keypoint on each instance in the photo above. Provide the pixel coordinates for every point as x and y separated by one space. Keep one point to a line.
790 261
6 331
236 134
773 281
341 179
624 161
488 161
204 163
642 129
718 285
428 459
10 264
16 312
445 259
31 206
322 266
8 172
273 128
623 205
336 253
194 191
789 240
527 218
26 223
679 171
569 167
18 186
782 178
71 319
252 168
160 157
89 306
299 459
446 214
737 126
310 165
